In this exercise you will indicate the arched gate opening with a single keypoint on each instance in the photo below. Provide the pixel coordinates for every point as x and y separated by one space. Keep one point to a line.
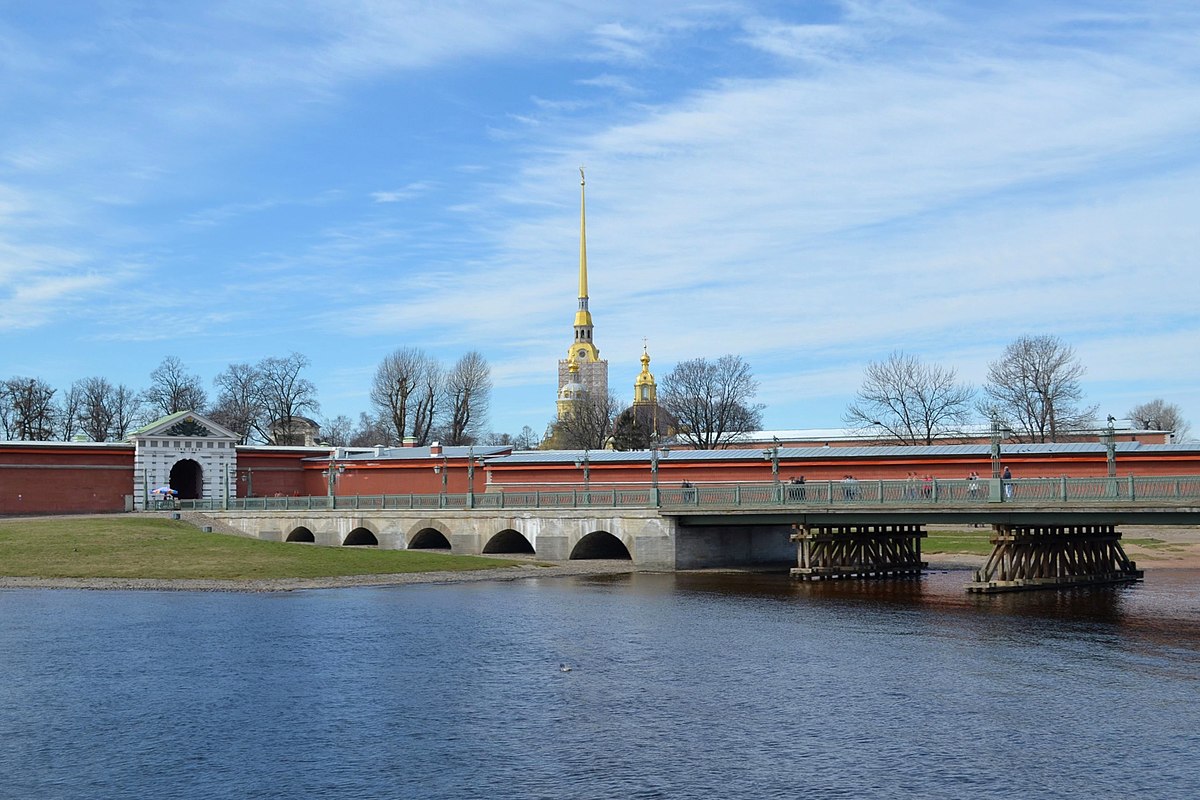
187 478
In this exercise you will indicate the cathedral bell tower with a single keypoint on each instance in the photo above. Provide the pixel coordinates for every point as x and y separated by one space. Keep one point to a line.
582 367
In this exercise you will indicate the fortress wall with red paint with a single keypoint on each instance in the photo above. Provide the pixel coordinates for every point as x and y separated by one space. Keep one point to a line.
61 478
64 478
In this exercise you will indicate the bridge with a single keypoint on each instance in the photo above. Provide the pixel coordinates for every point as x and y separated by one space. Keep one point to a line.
1047 532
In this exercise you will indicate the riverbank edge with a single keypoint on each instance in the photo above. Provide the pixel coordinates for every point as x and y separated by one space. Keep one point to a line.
937 563
517 573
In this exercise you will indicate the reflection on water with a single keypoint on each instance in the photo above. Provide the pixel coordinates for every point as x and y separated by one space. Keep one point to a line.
687 685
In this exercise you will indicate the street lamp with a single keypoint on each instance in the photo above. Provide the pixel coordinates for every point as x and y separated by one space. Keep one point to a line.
772 455
998 433
442 469
248 479
332 472
471 476
655 450
583 462
1109 437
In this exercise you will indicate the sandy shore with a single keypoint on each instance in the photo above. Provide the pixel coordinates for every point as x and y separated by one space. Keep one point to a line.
520 572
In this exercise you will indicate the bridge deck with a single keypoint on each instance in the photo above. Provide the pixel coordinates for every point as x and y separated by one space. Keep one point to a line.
1129 500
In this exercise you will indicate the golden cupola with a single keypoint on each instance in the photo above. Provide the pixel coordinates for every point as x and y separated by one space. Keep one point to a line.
645 391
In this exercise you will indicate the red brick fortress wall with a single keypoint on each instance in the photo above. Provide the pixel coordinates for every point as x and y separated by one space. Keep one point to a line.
64 477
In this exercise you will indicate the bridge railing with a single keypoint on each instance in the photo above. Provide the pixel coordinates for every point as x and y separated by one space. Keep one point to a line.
942 492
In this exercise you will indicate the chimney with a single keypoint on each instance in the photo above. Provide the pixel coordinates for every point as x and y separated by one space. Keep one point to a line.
435 448
410 441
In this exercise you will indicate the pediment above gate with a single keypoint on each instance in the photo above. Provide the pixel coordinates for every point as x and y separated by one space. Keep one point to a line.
185 424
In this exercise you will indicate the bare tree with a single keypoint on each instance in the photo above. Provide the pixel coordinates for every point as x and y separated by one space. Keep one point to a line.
642 426
425 406
712 401
1159 415
8 424
405 390
27 411
126 409
336 432
371 431
70 413
589 424
467 388
1034 388
285 396
910 401
173 390
239 402
527 439
96 408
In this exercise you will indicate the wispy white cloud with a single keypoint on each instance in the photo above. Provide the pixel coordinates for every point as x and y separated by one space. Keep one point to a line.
622 43
407 192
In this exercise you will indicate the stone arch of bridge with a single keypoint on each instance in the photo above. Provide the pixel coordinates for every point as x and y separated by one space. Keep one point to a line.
301 534
509 541
429 538
427 534
360 537
600 544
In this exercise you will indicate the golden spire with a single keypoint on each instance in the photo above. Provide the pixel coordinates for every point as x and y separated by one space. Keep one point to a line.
583 293
583 348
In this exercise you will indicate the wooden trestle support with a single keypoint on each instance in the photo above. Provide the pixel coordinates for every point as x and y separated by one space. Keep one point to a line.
825 552
1054 556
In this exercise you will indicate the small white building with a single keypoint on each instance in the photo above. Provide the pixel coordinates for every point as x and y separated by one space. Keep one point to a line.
190 453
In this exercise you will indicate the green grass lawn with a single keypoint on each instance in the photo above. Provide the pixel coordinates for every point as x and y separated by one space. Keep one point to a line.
975 541
1153 544
150 547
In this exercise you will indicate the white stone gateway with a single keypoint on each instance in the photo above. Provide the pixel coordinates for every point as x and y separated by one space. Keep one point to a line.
187 452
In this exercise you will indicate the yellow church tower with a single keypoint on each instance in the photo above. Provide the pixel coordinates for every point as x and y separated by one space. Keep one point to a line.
645 390
582 369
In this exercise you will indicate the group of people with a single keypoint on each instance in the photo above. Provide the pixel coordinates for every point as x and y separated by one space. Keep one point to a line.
973 483
795 488
918 486
915 486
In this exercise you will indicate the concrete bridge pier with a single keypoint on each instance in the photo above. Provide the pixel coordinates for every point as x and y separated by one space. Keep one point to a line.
826 552
1054 556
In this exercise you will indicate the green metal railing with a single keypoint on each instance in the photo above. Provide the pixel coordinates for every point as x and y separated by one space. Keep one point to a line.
1135 491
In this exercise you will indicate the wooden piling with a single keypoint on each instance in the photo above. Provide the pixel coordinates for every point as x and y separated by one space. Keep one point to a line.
827 552
1054 556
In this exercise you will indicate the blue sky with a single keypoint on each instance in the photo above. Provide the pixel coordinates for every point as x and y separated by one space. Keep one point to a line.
810 185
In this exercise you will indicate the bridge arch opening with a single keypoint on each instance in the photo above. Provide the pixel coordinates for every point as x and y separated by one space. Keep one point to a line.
600 544
301 534
187 478
360 537
508 541
429 539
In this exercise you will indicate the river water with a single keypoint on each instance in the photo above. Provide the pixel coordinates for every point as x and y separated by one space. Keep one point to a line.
680 686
